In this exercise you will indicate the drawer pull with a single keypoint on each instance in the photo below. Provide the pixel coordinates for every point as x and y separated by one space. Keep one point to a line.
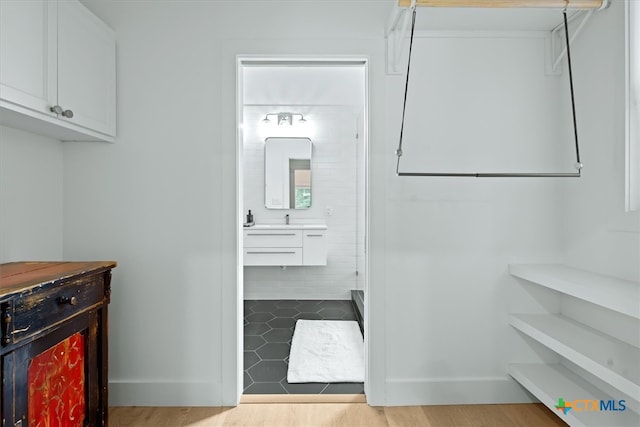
68 300
6 322
17 331
314 235
270 252
271 234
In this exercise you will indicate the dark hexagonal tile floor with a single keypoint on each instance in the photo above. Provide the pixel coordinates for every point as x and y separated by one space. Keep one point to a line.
264 307
311 306
288 303
273 351
268 371
332 313
252 342
256 328
259 317
279 335
285 312
282 322
268 326
309 316
250 359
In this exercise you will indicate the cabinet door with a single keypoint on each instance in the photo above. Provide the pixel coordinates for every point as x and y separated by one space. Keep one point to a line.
55 379
86 68
314 247
28 54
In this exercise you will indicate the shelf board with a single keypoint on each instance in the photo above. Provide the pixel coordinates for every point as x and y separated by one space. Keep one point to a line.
550 382
619 295
574 4
613 361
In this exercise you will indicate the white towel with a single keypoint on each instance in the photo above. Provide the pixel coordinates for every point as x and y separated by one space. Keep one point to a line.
326 351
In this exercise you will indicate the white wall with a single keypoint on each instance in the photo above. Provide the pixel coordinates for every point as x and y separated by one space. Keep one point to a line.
162 202
600 235
476 104
30 197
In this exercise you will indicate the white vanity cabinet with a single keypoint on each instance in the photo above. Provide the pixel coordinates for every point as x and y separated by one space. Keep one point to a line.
57 55
285 245
272 247
314 244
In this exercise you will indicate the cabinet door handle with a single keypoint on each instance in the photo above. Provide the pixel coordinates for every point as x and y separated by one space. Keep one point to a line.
314 235
56 109
270 252
271 234
61 112
68 300
6 323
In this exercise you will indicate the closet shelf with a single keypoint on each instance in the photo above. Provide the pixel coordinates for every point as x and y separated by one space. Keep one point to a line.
619 295
548 383
608 358
575 4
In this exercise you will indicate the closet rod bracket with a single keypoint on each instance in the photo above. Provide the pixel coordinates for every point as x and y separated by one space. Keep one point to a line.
396 34
556 37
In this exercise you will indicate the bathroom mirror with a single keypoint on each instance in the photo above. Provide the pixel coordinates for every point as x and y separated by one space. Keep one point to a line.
287 173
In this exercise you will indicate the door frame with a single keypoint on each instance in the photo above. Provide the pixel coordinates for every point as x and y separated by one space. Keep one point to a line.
287 60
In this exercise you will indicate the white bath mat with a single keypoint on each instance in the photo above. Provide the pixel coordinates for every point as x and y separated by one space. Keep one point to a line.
326 351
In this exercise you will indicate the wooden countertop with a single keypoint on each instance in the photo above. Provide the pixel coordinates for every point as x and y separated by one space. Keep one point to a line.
18 276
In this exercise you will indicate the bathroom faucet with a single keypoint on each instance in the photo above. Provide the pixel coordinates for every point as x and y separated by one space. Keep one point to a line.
286 219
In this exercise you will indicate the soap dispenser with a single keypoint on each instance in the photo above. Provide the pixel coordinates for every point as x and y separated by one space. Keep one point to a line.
249 222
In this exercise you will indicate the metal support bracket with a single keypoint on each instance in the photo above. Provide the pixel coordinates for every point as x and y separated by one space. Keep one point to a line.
556 46
557 36
396 34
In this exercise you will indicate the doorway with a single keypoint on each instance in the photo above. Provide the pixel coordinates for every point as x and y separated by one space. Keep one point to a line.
324 101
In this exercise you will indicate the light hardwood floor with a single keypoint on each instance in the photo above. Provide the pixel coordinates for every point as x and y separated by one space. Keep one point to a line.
337 414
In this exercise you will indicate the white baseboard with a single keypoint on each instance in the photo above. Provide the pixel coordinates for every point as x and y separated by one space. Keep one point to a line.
132 393
399 392
409 392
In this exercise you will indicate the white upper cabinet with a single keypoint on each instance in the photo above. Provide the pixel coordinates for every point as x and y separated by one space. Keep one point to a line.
86 68
27 54
57 63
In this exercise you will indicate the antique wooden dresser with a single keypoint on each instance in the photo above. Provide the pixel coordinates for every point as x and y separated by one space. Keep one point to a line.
54 328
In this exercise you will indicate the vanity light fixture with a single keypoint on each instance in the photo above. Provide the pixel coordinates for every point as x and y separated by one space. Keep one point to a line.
284 118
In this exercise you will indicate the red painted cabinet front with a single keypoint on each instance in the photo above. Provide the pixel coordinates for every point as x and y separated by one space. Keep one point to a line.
56 385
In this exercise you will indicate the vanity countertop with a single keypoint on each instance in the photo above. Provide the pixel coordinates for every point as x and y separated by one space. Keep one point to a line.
287 227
